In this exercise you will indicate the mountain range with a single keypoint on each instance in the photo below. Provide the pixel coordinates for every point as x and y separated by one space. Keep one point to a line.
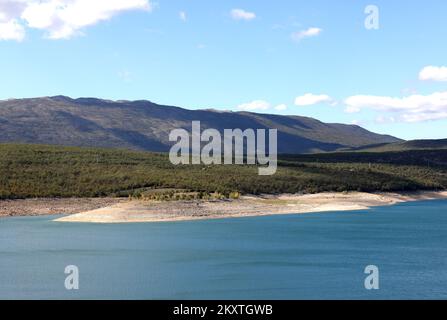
144 125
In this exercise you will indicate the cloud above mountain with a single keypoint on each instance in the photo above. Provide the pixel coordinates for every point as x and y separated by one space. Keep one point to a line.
59 19
414 108
310 99
257 105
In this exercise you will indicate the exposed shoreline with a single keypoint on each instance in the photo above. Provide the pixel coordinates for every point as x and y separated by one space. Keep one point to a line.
53 206
248 206
113 210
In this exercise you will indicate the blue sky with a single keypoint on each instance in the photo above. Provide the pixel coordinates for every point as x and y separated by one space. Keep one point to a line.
238 55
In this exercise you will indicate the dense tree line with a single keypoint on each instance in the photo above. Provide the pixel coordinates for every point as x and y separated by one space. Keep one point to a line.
50 171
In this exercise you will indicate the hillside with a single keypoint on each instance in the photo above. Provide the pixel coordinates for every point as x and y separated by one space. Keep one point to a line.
404 146
143 125
29 171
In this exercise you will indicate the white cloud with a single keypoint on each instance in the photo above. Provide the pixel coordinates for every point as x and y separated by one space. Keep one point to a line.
281 107
414 108
352 109
433 73
385 119
257 105
310 99
12 30
125 75
11 9
311 32
240 14
60 19
183 16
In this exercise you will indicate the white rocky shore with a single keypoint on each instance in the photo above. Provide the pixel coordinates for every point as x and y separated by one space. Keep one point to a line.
248 206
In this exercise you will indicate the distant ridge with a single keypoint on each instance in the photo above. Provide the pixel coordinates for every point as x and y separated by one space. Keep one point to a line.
404 146
144 125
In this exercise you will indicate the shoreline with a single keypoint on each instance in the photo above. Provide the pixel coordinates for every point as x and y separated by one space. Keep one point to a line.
137 211
52 206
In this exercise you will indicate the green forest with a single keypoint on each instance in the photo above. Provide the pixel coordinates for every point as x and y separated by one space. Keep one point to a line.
31 171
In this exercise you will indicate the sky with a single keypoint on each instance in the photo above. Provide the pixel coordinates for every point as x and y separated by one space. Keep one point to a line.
380 64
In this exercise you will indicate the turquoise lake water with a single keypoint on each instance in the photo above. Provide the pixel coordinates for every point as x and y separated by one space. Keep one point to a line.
312 256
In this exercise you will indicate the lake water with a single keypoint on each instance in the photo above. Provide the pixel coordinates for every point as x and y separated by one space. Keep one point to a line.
312 256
